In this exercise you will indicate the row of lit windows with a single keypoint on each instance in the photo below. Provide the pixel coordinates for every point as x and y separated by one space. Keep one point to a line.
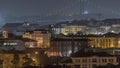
103 40
35 34
9 43
105 44
93 60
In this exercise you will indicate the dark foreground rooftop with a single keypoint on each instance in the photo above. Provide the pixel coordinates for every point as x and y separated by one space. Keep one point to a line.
89 54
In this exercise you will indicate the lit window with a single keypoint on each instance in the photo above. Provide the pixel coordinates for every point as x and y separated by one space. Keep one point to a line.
5 44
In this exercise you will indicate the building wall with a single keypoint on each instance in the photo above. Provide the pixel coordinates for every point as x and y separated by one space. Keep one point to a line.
69 29
84 29
60 48
74 29
64 47
31 44
104 42
90 62
10 44
43 39
118 40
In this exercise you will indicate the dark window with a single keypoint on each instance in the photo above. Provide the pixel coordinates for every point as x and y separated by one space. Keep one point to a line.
104 60
84 61
94 60
89 60
77 60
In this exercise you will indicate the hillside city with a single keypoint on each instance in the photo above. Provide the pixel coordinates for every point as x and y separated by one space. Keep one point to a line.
68 44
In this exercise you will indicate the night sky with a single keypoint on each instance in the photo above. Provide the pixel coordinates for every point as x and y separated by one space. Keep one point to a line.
47 10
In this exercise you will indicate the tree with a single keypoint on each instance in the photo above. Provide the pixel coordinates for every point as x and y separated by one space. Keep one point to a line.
43 58
15 61
1 63
16 58
27 61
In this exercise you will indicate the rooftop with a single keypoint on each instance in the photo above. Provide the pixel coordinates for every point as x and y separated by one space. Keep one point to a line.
90 54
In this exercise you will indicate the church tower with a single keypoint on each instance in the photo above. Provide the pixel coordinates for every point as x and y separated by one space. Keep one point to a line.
5 33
